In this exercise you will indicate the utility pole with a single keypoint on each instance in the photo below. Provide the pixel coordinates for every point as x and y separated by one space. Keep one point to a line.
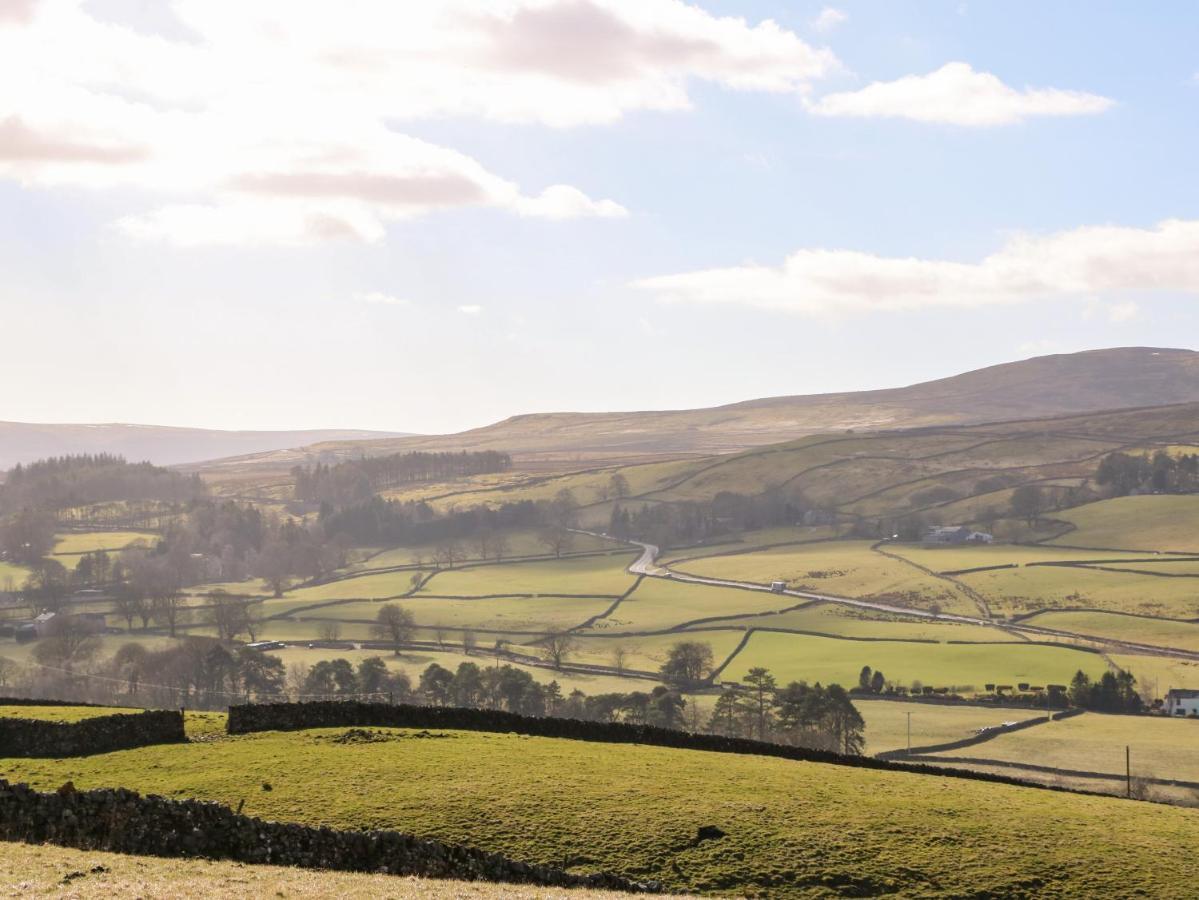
1128 768
909 733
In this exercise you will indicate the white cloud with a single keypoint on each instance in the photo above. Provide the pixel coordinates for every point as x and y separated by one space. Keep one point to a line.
829 18
1123 312
955 94
471 309
378 298
282 122
1085 261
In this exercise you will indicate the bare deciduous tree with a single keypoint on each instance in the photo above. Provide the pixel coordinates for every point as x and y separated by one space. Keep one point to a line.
395 624
556 646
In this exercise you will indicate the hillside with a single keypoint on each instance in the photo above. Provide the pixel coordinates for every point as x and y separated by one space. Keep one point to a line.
1043 386
24 442
790 829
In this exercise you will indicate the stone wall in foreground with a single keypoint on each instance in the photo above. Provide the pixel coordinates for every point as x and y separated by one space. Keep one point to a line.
101 734
123 821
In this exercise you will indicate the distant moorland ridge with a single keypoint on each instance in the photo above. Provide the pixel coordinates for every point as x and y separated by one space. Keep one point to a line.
1093 380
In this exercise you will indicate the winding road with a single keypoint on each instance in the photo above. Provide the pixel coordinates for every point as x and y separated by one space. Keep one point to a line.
647 565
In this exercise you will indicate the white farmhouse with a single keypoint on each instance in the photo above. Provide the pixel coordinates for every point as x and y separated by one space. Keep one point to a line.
1181 702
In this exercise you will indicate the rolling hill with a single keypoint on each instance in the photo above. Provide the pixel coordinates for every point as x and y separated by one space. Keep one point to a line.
24 442
1044 386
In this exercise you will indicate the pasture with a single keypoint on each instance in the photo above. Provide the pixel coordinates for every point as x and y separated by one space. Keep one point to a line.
502 614
657 604
844 621
801 657
840 568
794 829
585 576
1095 742
1017 591
79 542
1169 523
1138 629
932 723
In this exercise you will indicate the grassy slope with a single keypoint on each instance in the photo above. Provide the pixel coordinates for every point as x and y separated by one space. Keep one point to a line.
955 559
45 871
1015 591
591 576
1158 632
657 604
89 541
1093 742
887 722
802 829
834 619
844 568
1166 523
790 656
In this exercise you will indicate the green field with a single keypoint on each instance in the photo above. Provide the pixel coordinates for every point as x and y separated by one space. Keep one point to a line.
887 722
658 604
841 568
793 829
1169 523
1138 629
359 587
91 541
1016 591
953 559
795 657
648 653
520 543
12 576
590 576
840 620
493 613
42 871
62 713
1094 742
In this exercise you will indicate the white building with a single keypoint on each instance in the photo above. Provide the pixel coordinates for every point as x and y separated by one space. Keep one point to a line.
1182 702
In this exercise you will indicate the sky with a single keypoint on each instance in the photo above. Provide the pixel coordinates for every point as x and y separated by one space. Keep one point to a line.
430 216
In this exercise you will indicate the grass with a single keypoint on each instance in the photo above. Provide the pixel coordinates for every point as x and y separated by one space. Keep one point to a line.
844 621
1152 522
792 829
795 657
754 540
1013 591
63 713
649 653
493 613
658 604
362 587
47 871
841 568
887 722
12 576
91 541
1157 632
589 576
953 559
1094 742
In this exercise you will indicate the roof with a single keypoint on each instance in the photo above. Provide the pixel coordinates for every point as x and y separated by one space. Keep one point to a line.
45 617
1181 693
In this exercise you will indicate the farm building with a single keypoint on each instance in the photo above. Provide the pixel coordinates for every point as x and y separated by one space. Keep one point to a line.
948 535
1182 702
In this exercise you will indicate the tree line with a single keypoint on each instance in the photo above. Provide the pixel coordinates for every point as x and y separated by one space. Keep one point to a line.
1163 473
357 480
63 482
695 521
